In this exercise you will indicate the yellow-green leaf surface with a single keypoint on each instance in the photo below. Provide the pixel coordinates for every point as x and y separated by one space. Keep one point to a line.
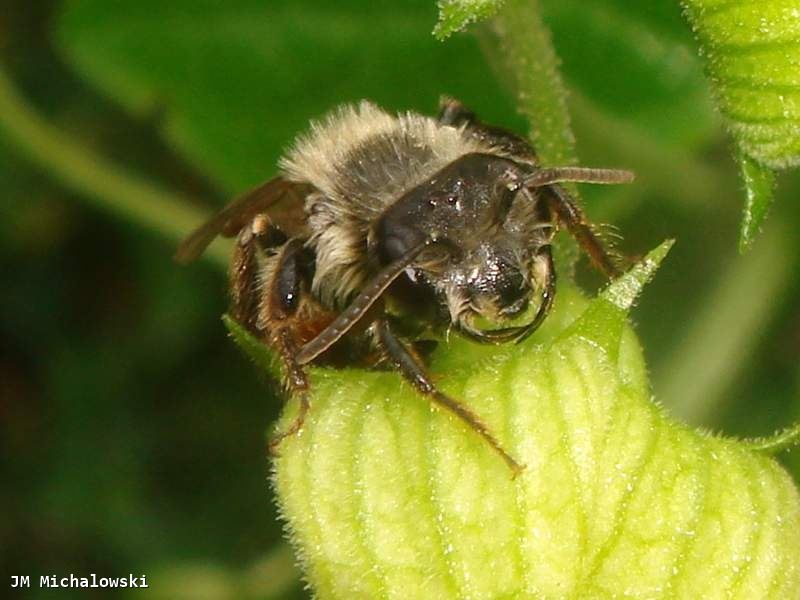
386 496
752 51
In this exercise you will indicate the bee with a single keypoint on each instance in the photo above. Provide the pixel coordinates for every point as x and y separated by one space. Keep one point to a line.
382 228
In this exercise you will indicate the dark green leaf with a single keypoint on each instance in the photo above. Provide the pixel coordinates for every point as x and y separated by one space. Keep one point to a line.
235 81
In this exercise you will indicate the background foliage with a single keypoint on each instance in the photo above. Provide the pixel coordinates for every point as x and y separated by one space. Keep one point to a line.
131 429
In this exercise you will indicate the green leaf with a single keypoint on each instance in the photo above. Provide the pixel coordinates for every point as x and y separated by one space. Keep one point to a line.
759 184
623 292
752 49
386 496
234 82
603 321
454 15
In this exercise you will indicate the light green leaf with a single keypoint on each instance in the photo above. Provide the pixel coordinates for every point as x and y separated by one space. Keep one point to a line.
454 15
752 51
759 184
385 496
623 292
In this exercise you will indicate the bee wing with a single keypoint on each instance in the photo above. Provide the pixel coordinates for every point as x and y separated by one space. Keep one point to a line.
280 198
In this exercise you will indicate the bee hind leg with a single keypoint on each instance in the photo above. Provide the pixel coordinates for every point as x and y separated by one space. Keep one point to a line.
412 369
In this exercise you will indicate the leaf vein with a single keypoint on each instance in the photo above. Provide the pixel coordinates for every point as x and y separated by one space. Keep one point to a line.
624 504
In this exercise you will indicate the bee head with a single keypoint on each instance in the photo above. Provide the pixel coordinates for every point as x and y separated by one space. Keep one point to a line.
485 235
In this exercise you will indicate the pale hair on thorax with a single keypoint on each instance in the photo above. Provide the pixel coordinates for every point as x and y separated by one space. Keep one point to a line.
362 159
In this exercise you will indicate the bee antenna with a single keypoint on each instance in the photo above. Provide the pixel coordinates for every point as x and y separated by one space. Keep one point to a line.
358 307
549 176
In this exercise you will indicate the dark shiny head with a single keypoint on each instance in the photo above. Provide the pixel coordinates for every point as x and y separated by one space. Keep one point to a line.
486 233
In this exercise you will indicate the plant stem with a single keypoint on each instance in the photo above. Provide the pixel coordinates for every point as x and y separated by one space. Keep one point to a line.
105 185
530 63
519 46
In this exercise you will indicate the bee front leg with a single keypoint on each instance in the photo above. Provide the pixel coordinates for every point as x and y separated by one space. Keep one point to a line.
296 383
243 274
281 288
571 215
411 367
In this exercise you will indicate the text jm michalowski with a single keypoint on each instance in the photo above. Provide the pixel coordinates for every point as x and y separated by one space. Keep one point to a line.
73 581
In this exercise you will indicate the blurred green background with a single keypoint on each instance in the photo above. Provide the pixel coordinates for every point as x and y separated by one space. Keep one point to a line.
131 430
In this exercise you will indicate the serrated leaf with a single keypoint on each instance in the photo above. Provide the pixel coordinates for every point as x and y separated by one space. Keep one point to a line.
454 15
752 51
386 496
759 185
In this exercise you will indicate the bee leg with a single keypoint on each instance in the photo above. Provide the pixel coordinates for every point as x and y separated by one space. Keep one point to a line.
362 303
297 384
571 215
243 270
410 366
453 112
281 296
269 310
242 278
